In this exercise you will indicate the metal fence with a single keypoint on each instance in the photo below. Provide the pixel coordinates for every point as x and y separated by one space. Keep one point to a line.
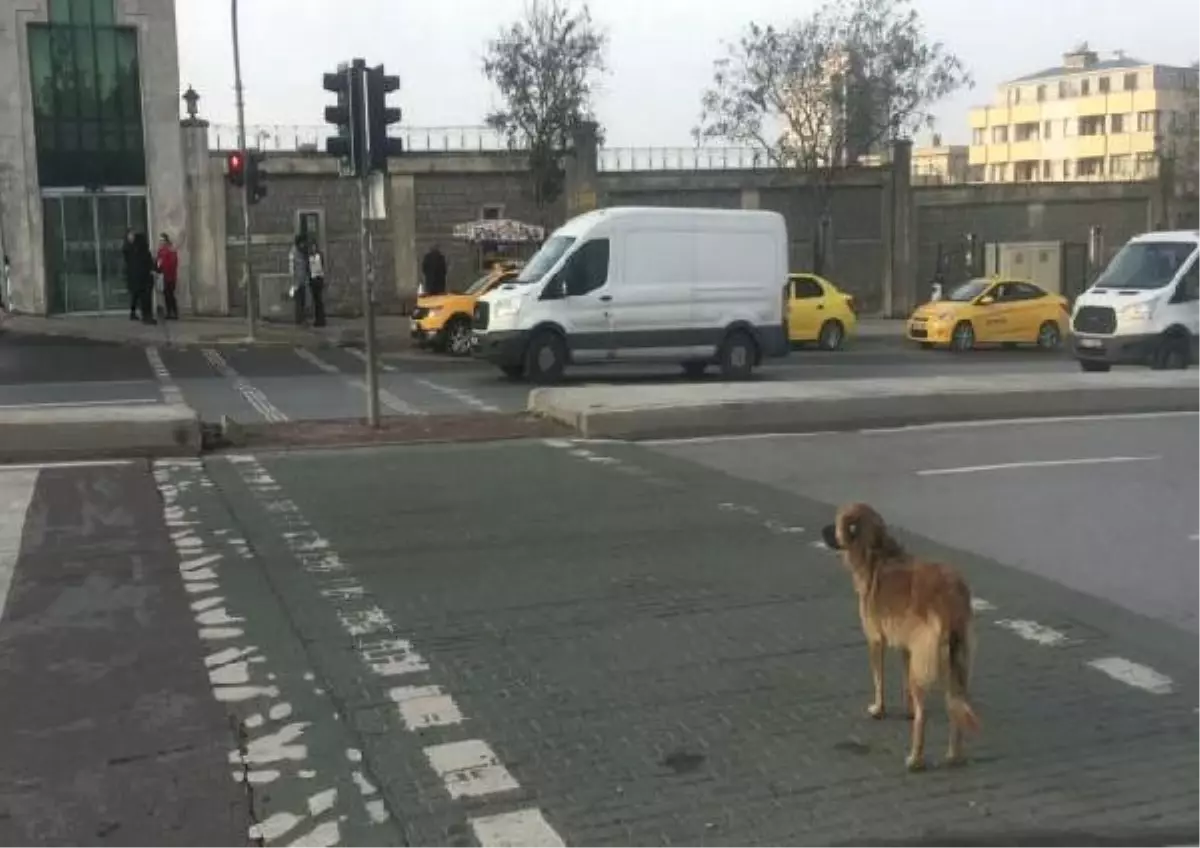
467 139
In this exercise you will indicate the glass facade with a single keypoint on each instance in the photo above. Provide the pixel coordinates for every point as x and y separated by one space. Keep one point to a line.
87 105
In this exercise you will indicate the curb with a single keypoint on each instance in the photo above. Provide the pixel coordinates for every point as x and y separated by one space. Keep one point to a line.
877 406
115 432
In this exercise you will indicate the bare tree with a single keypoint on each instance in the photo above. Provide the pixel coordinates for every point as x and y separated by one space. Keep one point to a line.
544 67
825 90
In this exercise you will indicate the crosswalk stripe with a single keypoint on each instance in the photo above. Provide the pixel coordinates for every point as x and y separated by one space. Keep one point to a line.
252 395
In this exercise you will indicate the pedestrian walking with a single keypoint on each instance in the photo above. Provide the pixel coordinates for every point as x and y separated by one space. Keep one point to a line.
433 269
139 269
316 283
130 278
298 266
936 288
168 266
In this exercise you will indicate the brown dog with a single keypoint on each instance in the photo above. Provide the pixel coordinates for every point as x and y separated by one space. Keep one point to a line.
923 609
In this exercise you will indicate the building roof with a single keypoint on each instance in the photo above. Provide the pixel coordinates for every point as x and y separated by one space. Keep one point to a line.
1102 65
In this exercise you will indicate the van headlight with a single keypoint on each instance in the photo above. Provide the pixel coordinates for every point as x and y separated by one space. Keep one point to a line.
506 308
1138 311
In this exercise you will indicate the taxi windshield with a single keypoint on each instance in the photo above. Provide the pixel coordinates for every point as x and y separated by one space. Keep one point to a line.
968 291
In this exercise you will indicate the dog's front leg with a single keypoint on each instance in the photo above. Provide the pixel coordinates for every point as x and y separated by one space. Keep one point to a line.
876 649
906 697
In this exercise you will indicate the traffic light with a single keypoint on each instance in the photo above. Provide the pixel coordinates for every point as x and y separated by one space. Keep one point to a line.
256 177
379 117
235 168
350 143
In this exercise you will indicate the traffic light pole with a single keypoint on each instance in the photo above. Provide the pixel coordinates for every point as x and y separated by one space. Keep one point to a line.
251 294
368 299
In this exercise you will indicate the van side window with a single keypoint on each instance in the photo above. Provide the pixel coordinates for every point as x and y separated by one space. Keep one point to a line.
1189 286
587 269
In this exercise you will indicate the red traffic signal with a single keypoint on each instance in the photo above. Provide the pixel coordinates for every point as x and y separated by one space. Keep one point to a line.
235 168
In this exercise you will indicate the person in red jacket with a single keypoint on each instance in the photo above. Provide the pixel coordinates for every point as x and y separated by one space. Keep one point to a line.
168 266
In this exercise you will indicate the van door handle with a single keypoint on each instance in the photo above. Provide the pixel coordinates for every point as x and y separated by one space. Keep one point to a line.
605 298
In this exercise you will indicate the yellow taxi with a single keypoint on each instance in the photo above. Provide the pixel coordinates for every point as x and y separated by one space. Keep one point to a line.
442 322
820 312
991 310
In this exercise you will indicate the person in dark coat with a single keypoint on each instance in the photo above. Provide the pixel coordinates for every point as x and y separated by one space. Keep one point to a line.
130 284
139 269
433 269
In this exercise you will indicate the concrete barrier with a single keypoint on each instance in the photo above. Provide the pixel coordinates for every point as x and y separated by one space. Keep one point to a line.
681 411
98 432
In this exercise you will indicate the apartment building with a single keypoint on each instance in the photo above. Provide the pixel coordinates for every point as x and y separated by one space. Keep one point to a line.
933 164
1086 119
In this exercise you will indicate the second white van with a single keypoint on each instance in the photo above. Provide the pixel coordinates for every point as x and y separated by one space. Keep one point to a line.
700 287
1144 309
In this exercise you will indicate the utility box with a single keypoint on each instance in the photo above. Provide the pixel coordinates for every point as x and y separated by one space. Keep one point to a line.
274 298
1040 262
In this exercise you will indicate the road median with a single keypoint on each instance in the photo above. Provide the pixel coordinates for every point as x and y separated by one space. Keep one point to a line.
32 434
707 409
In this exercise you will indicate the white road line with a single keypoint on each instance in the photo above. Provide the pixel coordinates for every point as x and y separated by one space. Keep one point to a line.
746 437
1037 463
425 706
526 828
470 768
70 463
1010 422
362 355
1134 674
1031 631
65 403
386 398
170 390
459 395
253 396
978 604
16 493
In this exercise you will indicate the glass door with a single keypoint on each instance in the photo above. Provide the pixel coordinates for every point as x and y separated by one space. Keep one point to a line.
84 236
80 279
112 219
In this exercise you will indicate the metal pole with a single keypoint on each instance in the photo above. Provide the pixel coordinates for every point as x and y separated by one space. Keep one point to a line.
368 307
251 294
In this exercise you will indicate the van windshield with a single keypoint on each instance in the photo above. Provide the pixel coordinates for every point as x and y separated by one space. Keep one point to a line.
544 259
1145 265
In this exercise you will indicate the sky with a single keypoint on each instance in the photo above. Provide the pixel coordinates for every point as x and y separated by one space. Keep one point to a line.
659 58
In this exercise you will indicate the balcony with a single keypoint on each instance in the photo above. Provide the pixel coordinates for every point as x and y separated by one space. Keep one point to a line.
1026 113
1025 150
977 155
1090 146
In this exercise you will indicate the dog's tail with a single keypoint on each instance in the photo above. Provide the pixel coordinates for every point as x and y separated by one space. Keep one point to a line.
962 650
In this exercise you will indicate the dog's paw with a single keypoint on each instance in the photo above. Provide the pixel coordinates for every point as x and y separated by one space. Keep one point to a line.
876 711
914 763
953 760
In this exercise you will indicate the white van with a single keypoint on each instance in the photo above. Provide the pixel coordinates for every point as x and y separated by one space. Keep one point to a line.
1144 309
630 284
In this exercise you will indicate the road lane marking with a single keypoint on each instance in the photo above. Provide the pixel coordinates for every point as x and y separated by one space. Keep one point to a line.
470 768
59 404
1031 631
391 401
978 604
77 463
1035 463
16 494
171 393
253 396
459 395
361 355
526 828
425 706
1134 674
1009 422
744 437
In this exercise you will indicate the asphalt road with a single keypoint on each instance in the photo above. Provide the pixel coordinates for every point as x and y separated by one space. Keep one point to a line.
547 643
278 384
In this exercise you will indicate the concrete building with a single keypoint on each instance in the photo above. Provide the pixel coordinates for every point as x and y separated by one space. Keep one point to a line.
932 164
90 144
1086 119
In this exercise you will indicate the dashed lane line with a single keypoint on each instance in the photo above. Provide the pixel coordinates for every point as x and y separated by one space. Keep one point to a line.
1035 463
253 396
171 393
1130 673
387 398
463 397
362 356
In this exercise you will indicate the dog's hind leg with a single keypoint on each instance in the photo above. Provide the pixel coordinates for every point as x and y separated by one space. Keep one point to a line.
916 755
875 650
922 673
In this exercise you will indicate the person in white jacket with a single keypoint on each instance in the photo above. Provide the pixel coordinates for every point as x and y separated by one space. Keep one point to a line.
298 267
316 283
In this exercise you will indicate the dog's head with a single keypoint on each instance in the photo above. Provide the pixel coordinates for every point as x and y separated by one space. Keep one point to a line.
857 527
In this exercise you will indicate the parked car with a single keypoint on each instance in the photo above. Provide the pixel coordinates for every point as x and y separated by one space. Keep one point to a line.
991 310
819 312
1144 308
699 287
442 322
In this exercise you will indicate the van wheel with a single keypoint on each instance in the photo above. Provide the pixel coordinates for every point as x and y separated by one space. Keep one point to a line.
458 337
831 336
736 357
1048 337
695 369
1172 354
1092 366
963 338
545 358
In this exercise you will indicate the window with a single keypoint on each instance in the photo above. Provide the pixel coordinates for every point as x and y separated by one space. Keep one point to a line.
1131 82
1041 93
1064 90
1066 169
1146 265
1118 124
1189 286
1105 85
1023 291
976 173
1118 166
997 172
1047 129
1025 172
1015 95
491 211
587 269
310 223
1091 125
806 287
999 135
1146 164
545 258
1047 170
1069 127
978 136
1027 132
1092 166
1085 87
1147 121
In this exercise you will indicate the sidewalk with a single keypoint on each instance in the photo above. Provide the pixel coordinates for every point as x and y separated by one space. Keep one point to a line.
392 331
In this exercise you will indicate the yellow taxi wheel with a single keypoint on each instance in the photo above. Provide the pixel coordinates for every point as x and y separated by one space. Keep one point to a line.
832 335
1049 337
963 337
